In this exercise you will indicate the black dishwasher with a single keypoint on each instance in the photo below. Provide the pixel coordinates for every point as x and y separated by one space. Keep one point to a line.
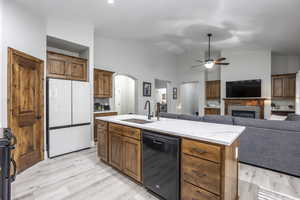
161 164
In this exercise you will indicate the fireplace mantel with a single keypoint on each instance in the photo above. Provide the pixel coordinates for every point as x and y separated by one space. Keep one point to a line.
260 102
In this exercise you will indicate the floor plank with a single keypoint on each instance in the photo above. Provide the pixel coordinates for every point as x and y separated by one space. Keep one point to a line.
81 176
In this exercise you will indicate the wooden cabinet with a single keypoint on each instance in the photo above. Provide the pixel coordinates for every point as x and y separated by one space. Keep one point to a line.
102 83
96 122
125 150
132 158
284 86
213 90
208 171
116 150
102 132
66 67
212 111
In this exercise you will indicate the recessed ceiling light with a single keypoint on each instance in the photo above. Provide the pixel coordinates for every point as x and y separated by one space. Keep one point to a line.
110 1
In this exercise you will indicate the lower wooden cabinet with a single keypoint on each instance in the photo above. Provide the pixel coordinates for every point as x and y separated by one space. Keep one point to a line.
208 171
95 122
212 111
102 134
191 192
124 151
116 150
204 175
132 158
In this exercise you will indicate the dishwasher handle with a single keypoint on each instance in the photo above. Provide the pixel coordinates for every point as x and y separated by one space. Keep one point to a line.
155 141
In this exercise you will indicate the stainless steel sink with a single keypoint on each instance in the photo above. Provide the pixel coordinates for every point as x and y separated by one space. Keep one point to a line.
137 121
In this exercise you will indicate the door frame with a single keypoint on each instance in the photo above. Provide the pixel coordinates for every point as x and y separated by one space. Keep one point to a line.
10 54
136 107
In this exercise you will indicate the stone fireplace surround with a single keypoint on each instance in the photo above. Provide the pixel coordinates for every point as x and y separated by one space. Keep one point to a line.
245 104
255 109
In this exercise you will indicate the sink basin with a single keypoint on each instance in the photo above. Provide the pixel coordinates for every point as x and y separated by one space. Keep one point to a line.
137 121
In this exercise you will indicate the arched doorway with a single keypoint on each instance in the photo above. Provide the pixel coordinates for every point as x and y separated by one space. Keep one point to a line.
125 94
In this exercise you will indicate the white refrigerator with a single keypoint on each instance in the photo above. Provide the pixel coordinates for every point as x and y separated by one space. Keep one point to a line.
68 116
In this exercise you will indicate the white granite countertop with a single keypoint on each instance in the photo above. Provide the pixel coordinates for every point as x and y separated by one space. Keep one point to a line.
210 132
104 111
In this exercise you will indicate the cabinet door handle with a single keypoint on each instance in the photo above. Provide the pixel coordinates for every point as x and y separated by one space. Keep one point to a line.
199 151
200 175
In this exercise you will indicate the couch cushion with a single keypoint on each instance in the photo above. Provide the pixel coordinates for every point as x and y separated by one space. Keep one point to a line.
268 124
293 117
190 117
271 148
169 115
220 119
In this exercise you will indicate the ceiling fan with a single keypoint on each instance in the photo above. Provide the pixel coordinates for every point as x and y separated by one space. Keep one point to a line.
210 63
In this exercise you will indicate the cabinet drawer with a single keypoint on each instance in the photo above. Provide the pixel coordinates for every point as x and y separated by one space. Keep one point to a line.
202 173
132 132
201 150
116 128
191 192
101 124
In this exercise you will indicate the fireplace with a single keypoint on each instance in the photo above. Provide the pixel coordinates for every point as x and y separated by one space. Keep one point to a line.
243 113
251 105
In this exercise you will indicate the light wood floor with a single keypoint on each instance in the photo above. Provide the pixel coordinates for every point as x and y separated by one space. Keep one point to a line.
82 176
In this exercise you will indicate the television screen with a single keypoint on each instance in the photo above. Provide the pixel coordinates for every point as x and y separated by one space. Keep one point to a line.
248 88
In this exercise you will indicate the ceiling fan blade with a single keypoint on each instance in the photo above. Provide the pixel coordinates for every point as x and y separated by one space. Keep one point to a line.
201 61
217 63
220 59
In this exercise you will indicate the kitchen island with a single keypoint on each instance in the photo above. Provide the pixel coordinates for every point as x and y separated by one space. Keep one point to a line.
209 158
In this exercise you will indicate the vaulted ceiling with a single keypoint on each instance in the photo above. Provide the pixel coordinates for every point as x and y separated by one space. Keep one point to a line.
176 25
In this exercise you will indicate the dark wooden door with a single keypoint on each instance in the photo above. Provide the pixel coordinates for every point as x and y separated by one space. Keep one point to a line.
212 89
57 66
78 69
290 86
107 83
102 134
116 150
26 107
132 158
277 87
96 83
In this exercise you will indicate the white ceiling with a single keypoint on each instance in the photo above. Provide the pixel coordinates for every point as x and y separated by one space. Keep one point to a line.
180 24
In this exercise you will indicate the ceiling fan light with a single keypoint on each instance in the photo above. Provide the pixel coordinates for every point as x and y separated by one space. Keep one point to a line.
209 64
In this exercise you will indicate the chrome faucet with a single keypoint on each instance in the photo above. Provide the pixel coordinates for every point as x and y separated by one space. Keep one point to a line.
149 109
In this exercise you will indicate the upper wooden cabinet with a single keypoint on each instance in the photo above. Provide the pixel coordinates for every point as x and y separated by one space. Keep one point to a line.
66 67
213 89
284 86
102 83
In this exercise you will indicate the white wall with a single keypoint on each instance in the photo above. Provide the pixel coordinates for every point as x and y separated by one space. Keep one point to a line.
185 74
245 65
285 64
24 31
138 59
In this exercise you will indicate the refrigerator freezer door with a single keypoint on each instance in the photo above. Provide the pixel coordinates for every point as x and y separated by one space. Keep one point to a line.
59 103
81 102
67 140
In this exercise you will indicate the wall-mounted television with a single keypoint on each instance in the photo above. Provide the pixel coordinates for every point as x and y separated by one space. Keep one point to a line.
242 89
